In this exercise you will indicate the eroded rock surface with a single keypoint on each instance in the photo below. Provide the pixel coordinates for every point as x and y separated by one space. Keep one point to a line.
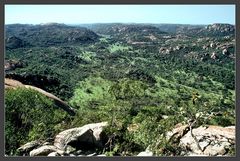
86 136
205 141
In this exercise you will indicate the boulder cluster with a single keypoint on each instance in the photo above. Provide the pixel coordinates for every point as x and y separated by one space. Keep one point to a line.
85 140
81 141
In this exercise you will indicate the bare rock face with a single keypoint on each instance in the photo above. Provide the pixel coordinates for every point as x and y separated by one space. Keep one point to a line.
209 141
87 136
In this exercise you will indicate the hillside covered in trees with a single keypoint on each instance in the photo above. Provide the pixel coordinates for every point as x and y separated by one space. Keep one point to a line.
140 82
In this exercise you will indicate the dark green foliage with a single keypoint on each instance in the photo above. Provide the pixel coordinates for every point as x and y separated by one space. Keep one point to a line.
29 116
48 35
14 42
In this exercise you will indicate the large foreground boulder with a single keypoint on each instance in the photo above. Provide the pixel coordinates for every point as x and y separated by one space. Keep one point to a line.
85 137
205 140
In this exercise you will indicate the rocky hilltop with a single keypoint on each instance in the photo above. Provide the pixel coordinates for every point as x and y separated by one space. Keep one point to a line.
220 27
19 35
216 29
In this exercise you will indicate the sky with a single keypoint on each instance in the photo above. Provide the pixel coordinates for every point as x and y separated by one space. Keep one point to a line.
82 14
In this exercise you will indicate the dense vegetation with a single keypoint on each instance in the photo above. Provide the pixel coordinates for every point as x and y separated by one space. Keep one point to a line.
141 91
29 116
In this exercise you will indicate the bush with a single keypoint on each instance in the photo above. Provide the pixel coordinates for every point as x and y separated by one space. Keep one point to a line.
29 116
91 92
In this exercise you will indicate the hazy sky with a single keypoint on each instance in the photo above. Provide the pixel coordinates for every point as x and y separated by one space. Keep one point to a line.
76 14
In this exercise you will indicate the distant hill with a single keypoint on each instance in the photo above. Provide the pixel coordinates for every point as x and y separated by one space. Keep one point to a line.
120 29
176 28
129 32
217 29
113 28
21 35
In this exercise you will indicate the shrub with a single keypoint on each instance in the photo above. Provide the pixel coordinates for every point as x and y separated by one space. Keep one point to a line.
29 116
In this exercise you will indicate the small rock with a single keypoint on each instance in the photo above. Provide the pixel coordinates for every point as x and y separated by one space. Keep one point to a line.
53 154
194 154
214 55
225 52
46 143
212 45
101 155
70 149
93 154
78 152
205 47
165 116
72 155
145 153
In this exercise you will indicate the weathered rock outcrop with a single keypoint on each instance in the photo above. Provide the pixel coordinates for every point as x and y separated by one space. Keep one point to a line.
10 83
204 141
12 64
85 137
212 140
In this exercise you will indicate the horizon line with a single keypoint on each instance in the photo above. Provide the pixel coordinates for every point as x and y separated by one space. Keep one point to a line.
116 23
